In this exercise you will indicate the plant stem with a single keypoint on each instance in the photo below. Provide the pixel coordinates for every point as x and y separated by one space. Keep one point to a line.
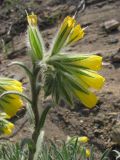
35 94
39 121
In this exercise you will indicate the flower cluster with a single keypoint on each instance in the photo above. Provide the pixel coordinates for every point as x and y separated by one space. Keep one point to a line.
9 104
6 127
67 75
79 140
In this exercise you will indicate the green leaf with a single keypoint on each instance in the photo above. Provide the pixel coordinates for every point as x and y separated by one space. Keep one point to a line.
67 58
39 145
65 90
22 65
30 114
105 155
74 83
59 41
43 118
49 80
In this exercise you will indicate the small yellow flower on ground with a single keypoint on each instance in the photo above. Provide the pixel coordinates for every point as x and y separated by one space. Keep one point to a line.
82 139
11 103
87 153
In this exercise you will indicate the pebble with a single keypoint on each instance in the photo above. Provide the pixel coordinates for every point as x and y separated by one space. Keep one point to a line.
115 58
111 25
113 41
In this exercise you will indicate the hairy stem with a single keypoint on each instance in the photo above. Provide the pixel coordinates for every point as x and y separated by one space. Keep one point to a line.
35 95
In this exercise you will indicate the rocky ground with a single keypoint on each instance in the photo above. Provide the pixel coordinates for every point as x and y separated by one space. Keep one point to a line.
100 124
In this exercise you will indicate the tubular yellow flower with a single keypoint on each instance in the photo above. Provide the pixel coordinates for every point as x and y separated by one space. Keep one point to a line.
92 62
6 127
67 24
92 79
82 139
89 100
4 115
8 83
76 34
10 104
32 19
88 79
87 153
63 34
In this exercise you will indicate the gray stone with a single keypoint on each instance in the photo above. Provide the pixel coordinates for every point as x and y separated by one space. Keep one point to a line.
113 41
115 58
111 25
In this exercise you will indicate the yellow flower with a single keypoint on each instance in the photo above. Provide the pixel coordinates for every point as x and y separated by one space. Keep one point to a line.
92 62
4 115
76 34
63 34
67 24
91 78
6 127
87 77
89 100
84 73
86 80
10 104
32 19
87 153
82 139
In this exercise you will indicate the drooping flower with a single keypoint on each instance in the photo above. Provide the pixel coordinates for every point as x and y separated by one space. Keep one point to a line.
92 62
11 103
82 139
87 153
6 127
79 72
4 115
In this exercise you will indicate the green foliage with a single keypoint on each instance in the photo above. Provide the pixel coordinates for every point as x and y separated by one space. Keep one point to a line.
63 72
9 151
68 151
49 151
117 154
62 76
